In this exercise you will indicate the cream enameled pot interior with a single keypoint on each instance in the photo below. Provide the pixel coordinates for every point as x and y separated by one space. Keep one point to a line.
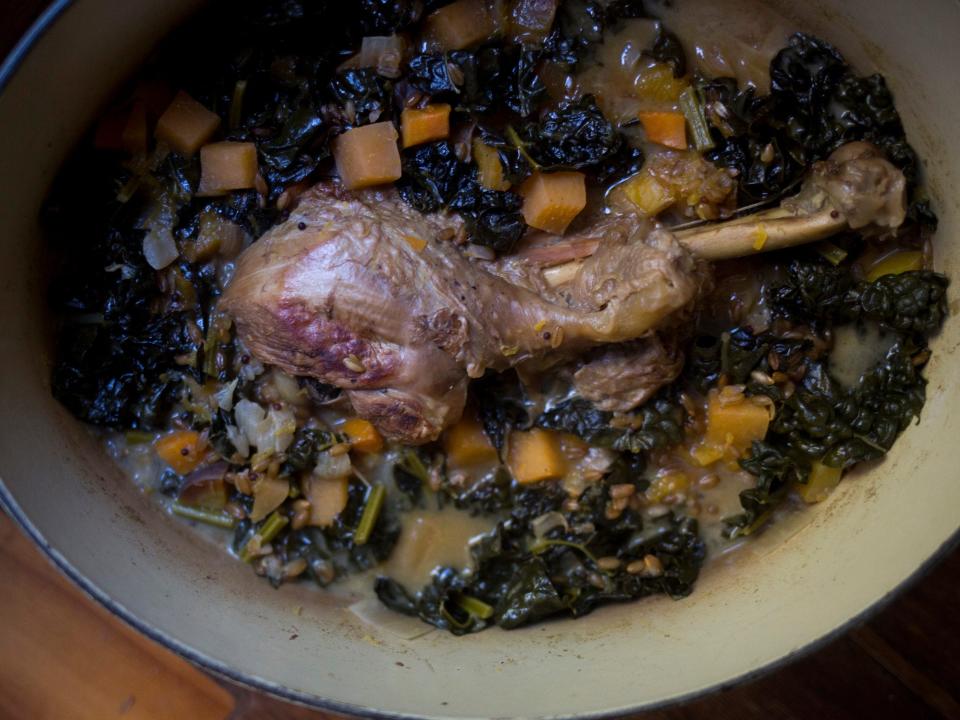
795 585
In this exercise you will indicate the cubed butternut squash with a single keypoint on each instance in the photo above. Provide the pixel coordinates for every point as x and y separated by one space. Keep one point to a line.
367 156
460 24
535 455
735 424
489 167
650 196
665 128
226 166
671 482
186 125
821 482
422 125
363 436
327 499
182 450
467 444
552 200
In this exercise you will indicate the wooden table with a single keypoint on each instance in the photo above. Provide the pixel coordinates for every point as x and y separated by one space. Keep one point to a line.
64 657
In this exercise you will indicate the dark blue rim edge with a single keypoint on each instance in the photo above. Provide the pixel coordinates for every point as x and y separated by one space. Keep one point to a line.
7 502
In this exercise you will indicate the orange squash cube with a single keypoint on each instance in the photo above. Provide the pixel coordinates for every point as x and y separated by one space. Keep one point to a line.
418 126
186 125
363 436
367 156
535 455
467 444
552 200
489 168
665 128
226 166
182 450
460 24
735 424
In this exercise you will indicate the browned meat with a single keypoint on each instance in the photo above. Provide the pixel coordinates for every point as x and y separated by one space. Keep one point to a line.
341 292
622 377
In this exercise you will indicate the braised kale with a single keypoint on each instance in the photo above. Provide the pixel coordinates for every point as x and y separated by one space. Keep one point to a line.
434 178
656 424
520 576
910 302
816 104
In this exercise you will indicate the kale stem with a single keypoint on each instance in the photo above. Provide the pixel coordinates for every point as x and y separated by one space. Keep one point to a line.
371 513
476 607
236 104
218 519
514 138
545 545
267 532
692 110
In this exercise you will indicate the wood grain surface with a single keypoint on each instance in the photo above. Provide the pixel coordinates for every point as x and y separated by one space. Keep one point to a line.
63 657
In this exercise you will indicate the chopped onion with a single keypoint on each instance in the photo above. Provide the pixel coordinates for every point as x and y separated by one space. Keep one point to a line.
159 248
480 252
383 52
225 395
332 467
545 523
239 440
288 388
249 415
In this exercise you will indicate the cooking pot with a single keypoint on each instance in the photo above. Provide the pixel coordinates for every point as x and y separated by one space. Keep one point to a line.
792 588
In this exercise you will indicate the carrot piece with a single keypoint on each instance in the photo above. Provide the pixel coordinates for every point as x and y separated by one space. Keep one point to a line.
665 128
227 166
551 201
367 156
363 436
182 450
467 444
460 24
535 455
418 126
489 167
186 124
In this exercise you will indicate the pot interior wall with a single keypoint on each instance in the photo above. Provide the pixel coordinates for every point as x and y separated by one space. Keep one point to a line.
795 585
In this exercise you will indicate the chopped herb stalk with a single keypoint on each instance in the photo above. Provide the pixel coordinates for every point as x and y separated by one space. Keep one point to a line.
218 519
268 531
371 513
693 111
477 608
831 253
236 104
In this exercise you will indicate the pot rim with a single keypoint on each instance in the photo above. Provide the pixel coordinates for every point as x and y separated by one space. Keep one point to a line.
8 504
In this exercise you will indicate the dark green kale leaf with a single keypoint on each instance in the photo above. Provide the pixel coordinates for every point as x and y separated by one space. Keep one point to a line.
818 293
735 355
822 421
501 405
434 178
815 105
368 95
541 562
304 451
667 48
575 135
657 424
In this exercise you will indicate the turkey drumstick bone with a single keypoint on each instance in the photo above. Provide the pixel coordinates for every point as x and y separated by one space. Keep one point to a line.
855 188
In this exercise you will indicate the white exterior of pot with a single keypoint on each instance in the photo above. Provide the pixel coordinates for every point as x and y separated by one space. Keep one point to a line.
798 584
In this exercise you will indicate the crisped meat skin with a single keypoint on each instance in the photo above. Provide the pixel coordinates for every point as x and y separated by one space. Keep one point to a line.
622 377
340 292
